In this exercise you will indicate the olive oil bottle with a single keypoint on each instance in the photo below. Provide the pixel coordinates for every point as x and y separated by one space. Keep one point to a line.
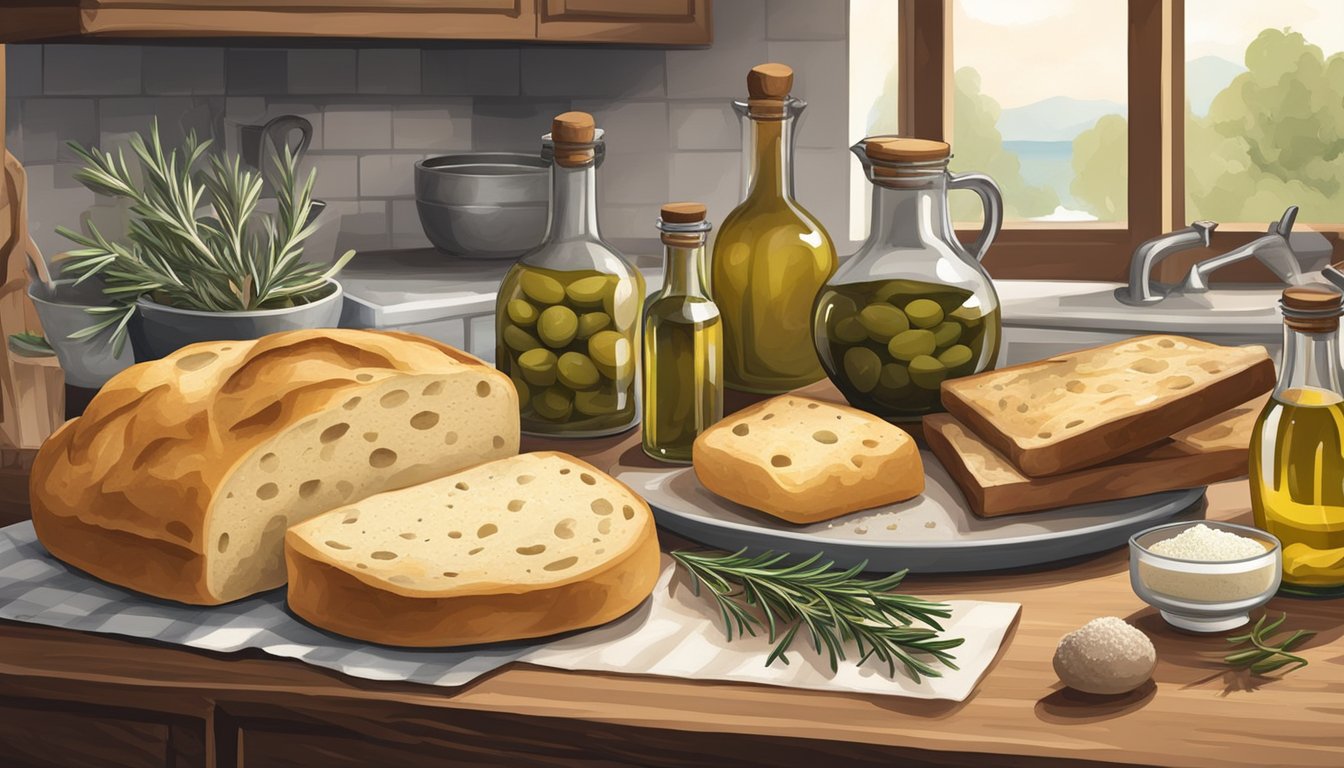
567 317
771 256
1297 448
683 342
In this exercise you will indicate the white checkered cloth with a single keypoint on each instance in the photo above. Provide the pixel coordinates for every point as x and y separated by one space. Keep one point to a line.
673 634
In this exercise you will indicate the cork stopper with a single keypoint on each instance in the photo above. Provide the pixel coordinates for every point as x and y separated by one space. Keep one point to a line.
1314 307
683 213
903 150
683 225
572 134
768 87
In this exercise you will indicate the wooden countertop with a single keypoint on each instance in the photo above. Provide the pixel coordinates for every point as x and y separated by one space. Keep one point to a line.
1195 713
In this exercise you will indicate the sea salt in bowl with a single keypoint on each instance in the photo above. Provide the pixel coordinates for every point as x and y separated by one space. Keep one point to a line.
1205 576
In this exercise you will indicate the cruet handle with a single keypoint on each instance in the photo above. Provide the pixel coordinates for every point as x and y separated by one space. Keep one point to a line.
991 198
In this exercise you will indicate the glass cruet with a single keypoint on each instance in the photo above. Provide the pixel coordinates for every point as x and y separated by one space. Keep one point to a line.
567 317
912 307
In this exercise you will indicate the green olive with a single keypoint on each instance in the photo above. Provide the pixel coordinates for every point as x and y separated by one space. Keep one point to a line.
956 356
862 368
518 340
926 372
592 322
946 333
896 292
894 376
967 316
577 371
882 321
611 353
588 291
557 326
596 402
554 403
924 313
521 313
911 344
538 366
542 289
524 391
849 330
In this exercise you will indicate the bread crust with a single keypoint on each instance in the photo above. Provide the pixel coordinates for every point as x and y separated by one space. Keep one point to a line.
125 491
883 478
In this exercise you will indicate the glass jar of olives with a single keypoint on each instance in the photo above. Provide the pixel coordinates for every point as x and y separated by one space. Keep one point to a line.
567 318
912 307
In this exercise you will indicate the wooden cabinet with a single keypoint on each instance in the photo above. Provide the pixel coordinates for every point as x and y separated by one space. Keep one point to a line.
661 22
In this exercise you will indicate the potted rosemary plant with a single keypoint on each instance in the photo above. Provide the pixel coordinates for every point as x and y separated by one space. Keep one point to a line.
200 262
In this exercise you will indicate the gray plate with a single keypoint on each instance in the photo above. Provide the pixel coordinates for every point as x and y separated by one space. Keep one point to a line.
932 533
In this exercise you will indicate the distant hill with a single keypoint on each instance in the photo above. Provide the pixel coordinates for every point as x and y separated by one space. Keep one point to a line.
1205 77
1058 118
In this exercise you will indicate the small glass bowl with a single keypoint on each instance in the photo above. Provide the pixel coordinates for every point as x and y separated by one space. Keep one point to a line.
1202 595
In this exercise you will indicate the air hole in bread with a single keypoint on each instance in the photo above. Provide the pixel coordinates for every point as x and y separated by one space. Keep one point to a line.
364 377
394 398
352 403
565 528
370 437
382 458
309 488
450 438
1148 365
604 526
476 551
1073 423
268 491
1166 343
223 544
450 574
564 471
489 529
1023 408
780 460
525 479
587 478
351 518
424 420
628 511
516 505
741 430
535 549
399 578
1178 382
870 443
270 462
1076 387
561 564
1106 388
362 566
337 545
767 417
407 535
602 506
825 437
812 406
856 461
334 432
1045 435
462 486
345 488
197 361
383 554
179 529
482 389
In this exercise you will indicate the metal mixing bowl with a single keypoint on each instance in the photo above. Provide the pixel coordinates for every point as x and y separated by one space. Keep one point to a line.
488 205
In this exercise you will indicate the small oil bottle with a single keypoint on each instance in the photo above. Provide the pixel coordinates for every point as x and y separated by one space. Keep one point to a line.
1297 448
683 342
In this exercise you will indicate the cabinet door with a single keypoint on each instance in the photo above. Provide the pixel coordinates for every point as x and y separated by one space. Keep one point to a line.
664 22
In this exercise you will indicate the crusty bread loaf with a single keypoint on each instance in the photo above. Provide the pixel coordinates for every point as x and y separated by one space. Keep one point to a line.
1083 408
805 460
527 546
1208 452
183 474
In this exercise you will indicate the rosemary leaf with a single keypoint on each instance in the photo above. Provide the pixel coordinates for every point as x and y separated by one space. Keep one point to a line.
1264 655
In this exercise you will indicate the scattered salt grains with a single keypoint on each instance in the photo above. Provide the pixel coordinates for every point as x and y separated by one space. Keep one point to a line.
1200 542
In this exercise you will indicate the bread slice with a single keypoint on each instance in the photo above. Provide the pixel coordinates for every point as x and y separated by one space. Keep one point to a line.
1209 452
805 460
183 474
1083 408
521 547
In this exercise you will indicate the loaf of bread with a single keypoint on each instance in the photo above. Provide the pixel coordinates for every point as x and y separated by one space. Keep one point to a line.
527 546
183 474
1083 408
1209 452
805 460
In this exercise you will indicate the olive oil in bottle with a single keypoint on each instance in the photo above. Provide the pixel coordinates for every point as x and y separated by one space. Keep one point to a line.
771 256
1297 448
683 342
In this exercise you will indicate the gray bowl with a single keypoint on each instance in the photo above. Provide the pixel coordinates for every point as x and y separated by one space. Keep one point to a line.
87 363
490 205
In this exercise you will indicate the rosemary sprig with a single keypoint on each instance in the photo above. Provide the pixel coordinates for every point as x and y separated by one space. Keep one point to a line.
1265 656
836 607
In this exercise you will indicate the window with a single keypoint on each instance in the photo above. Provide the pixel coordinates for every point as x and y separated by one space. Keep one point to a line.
1079 109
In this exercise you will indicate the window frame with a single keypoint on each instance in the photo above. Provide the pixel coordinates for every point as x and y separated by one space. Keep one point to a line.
1156 93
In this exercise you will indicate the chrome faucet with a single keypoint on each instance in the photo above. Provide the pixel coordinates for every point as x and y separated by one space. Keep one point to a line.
1150 252
1273 250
